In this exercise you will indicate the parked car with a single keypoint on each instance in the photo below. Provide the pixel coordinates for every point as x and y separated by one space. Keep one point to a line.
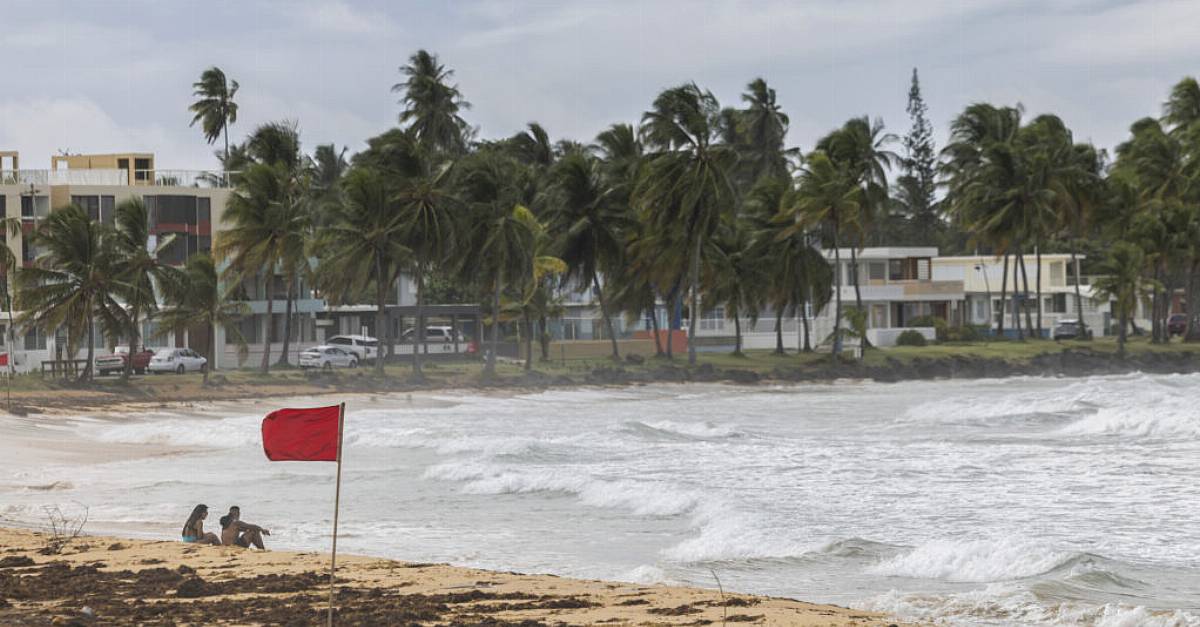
1177 324
1067 330
177 360
115 363
438 340
361 346
327 358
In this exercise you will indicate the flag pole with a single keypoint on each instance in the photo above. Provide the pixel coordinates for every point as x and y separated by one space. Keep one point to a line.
337 497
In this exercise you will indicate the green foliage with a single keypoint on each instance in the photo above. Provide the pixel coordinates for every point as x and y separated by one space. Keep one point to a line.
910 337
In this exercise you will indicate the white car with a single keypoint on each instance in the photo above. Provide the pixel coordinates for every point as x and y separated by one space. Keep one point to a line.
177 360
438 339
362 347
327 358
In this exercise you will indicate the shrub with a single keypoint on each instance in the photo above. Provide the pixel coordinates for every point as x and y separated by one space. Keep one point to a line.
940 328
966 333
910 337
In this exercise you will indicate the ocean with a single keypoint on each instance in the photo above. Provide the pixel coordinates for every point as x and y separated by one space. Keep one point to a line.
985 502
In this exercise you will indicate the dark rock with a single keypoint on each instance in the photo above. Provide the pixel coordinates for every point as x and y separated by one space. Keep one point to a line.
14 561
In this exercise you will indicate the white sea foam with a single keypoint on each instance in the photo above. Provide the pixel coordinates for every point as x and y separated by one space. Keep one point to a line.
701 430
973 560
730 537
642 498
646 574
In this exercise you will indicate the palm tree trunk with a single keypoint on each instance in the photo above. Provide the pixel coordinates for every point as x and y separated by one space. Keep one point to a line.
1028 315
133 342
1038 260
91 351
528 324
1003 299
266 360
489 367
612 333
381 285
210 346
1192 334
1156 307
779 332
658 347
287 323
675 306
737 334
807 348
1121 333
544 336
854 265
837 292
419 348
695 317
1083 332
1016 285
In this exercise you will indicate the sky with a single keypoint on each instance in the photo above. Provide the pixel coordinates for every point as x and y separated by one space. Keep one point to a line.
116 75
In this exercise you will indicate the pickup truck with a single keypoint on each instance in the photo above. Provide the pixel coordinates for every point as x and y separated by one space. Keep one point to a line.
115 363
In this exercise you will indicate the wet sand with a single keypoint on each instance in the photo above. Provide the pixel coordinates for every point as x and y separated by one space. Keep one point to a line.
105 580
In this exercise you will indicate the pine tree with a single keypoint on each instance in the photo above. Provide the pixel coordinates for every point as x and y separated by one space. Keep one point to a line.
917 184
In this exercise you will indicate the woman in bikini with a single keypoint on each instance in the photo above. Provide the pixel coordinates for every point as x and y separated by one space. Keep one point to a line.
193 529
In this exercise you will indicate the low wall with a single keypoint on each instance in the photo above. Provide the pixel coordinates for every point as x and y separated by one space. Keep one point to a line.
575 350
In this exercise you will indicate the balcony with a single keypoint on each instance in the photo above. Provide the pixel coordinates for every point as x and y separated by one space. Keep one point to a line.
209 179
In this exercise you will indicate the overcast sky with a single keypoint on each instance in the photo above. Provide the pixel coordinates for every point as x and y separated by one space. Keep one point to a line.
105 76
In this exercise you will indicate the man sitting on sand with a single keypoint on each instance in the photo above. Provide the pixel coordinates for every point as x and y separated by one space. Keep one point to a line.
234 532
193 529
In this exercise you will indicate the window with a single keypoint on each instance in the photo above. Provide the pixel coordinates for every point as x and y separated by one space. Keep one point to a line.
896 269
203 209
248 327
35 206
876 271
851 274
141 169
3 206
173 210
35 340
713 319
176 252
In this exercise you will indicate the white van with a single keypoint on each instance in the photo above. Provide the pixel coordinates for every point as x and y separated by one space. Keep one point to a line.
361 346
438 339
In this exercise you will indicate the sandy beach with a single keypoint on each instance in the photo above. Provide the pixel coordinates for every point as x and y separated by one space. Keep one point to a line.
123 581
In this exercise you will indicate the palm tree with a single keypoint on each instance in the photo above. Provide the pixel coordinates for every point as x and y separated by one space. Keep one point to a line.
215 109
265 230
737 276
859 149
1123 283
686 183
764 127
193 298
362 245
426 210
431 104
590 226
138 265
500 232
828 197
11 227
74 282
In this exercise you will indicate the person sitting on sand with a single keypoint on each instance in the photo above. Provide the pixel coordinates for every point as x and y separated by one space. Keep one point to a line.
234 532
193 529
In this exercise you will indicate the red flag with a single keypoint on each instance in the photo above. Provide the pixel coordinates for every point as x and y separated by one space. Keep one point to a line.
303 435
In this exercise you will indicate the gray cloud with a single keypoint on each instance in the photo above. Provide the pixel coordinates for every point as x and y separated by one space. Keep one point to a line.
117 76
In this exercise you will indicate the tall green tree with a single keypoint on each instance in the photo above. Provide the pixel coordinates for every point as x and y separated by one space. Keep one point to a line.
432 104
11 228
214 108
828 198
138 265
426 206
361 249
590 222
75 282
193 297
500 230
265 231
917 185
1121 281
686 184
